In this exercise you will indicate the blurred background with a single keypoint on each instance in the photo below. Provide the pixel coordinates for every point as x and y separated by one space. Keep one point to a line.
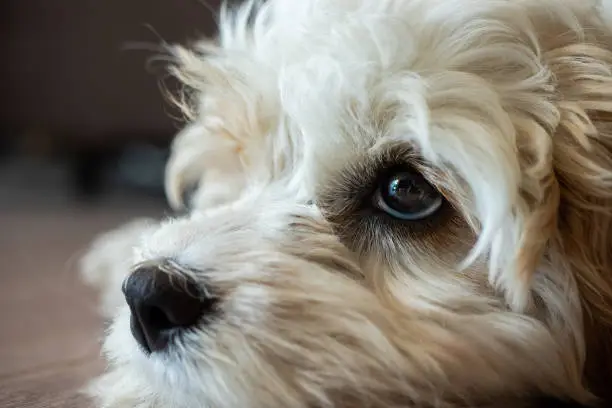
84 134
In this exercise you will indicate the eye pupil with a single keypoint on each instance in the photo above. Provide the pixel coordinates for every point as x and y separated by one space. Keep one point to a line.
407 195
403 191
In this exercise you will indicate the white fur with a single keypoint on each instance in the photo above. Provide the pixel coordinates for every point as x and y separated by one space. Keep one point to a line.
294 93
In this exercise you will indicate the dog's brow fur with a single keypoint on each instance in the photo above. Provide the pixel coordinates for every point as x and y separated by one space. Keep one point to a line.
345 197
502 299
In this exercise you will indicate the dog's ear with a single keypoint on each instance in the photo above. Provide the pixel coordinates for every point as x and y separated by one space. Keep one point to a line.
582 164
206 163
204 169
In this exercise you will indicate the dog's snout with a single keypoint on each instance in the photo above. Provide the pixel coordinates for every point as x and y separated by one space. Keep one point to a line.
162 305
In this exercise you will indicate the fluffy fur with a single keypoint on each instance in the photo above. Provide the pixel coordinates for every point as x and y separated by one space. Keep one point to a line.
504 105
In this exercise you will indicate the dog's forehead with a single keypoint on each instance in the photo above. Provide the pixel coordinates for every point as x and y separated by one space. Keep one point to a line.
331 109
329 89
333 125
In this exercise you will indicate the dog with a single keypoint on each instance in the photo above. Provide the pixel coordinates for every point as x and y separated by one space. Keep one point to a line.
396 203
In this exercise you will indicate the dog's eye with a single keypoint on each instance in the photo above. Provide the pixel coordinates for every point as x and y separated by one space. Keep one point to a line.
406 195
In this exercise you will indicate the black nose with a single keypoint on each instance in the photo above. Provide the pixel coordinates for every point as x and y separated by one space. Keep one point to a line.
162 305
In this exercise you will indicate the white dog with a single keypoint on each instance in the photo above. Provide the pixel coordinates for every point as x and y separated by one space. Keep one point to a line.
400 203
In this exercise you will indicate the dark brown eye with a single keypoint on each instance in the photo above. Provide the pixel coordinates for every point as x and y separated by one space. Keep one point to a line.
406 195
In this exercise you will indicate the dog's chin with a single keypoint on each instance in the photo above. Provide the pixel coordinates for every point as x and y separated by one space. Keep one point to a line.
140 379
188 373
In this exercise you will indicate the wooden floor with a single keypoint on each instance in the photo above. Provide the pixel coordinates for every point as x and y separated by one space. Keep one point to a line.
49 329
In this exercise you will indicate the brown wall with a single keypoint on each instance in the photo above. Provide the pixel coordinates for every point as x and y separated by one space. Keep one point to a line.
64 67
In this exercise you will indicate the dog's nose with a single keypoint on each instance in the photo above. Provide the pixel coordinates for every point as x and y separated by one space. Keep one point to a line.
162 305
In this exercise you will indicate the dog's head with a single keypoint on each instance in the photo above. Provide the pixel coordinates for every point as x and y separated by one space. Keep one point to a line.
399 203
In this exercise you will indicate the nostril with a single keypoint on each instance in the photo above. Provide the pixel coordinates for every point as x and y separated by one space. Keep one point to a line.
157 318
151 327
162 304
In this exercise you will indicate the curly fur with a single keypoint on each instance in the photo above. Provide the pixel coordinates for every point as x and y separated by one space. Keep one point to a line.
505 106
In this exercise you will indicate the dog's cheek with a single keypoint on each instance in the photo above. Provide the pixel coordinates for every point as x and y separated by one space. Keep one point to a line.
323 337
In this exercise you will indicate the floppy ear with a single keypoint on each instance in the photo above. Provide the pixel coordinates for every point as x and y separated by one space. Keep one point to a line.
582 163
206 156
204 169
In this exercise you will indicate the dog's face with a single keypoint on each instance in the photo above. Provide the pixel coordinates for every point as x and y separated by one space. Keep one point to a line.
377 219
